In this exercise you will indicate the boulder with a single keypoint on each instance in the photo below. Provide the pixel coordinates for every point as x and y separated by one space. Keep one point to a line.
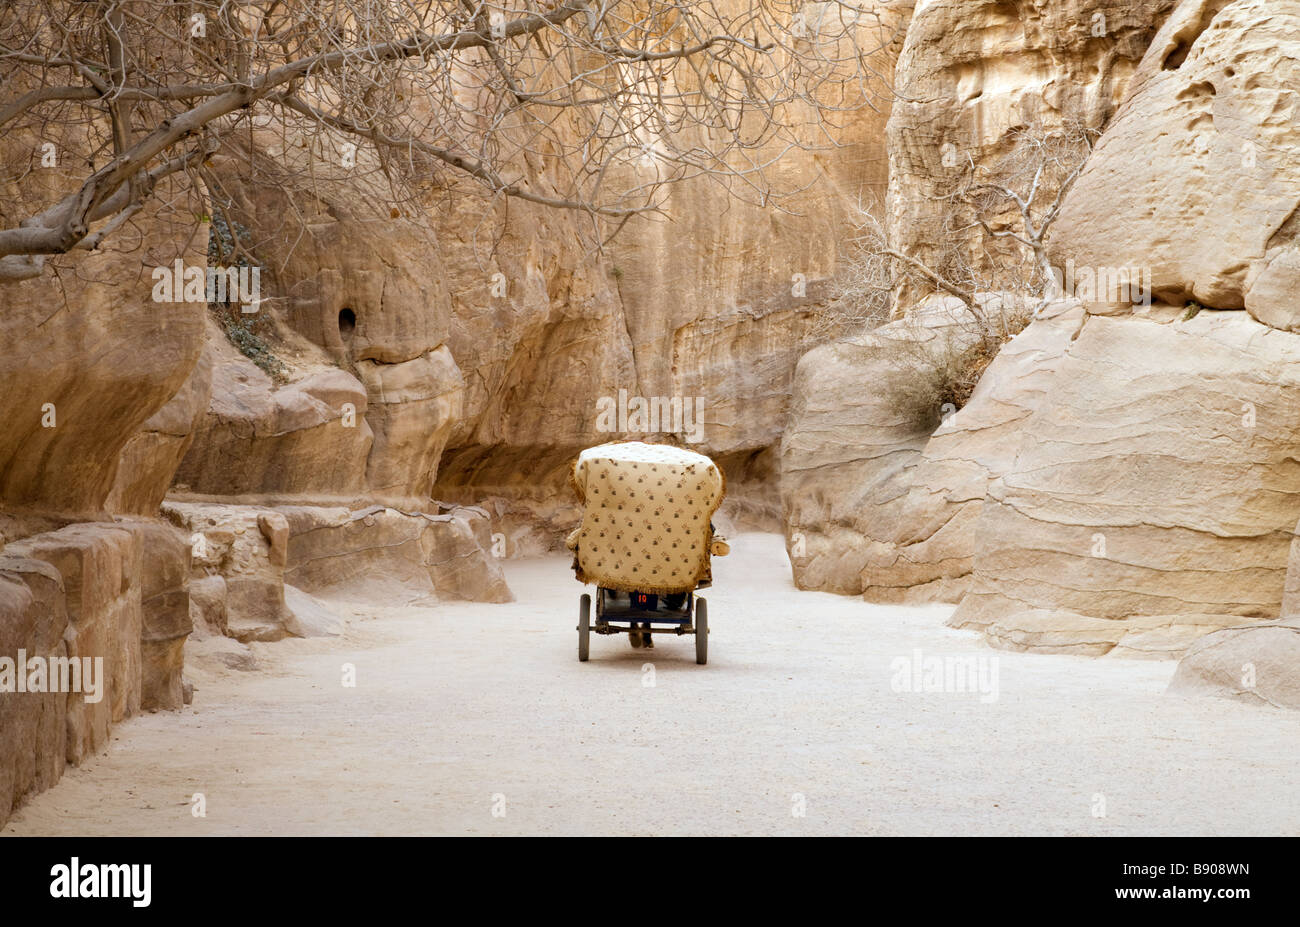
393 555
930 554
1156 477
849 449
247 547
1257 662
218 654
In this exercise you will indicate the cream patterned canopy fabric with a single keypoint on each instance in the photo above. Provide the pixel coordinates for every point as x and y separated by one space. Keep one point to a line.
646 512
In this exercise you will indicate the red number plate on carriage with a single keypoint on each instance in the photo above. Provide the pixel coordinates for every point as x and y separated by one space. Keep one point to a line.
644 599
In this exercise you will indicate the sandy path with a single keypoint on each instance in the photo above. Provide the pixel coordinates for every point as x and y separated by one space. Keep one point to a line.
460 704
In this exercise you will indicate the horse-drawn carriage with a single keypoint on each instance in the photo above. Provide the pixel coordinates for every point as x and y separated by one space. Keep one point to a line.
645 541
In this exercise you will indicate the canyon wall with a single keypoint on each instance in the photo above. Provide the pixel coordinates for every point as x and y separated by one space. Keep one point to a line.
1122 481
394 412
98 388
712 302
402 404
971 76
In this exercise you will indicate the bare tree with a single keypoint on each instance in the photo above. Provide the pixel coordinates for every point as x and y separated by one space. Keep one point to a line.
1011 202
619 98
1019 197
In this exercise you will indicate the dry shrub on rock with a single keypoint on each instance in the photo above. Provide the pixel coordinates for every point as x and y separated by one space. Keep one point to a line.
996 287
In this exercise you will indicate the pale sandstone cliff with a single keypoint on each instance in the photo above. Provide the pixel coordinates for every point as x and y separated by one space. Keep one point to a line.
1123 485
970 74
451 340
1120 483
93 371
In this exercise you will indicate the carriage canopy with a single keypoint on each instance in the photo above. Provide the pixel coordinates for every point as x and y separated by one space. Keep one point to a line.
646 516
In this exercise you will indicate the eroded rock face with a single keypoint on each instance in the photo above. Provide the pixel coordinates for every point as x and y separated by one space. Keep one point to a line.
309 437
92 359
848 452
753 501
98 384
1255 662
1155 478
413 407
150 459
714 305
1196 178
380 553
971 73
876 502
112 593
361 305
930 554
465 324
489 330
524 490
98 391
247 547
449 343
745 283
1126 490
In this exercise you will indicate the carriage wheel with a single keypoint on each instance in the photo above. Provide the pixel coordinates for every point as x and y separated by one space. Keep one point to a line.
701 632
584 629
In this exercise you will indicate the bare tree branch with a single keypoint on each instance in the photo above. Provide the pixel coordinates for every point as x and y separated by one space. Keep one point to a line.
587 105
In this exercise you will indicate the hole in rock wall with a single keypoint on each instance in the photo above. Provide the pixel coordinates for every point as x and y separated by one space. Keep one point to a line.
347 324
1177 55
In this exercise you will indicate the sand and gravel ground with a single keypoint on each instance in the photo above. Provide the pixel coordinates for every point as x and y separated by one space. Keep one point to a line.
463 710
